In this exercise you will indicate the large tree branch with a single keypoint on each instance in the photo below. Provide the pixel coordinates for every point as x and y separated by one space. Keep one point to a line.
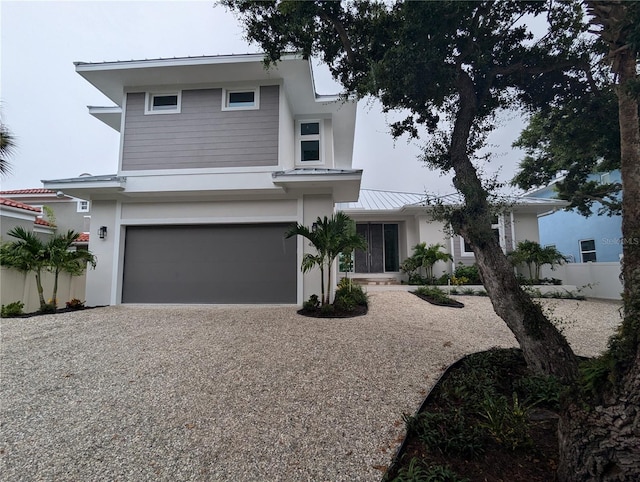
342 34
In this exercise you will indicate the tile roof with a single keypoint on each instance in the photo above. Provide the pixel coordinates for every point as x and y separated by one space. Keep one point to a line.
29 191
43 222
83 238
15 204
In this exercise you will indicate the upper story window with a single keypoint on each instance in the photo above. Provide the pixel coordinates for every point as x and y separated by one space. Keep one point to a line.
588 250
162 103
247 99
309 145
83 206
605 178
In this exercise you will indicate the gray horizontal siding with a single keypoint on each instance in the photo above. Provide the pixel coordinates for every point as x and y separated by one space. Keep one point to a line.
202 135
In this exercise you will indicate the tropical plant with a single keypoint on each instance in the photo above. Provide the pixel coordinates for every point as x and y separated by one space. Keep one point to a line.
12 309
425 257
27 254
7 148
535 256
330 237
63 259
30 254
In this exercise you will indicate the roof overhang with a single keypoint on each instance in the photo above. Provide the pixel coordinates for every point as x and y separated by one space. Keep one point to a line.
344 184
112 116
86 187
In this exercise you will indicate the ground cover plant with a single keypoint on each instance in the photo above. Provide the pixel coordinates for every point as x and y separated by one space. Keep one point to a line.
488 419
436 296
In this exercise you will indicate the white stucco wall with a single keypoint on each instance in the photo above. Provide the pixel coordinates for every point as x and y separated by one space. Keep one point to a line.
99 281
526 227
313 207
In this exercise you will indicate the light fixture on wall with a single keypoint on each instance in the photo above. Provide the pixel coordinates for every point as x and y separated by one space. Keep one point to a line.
102 232
314 227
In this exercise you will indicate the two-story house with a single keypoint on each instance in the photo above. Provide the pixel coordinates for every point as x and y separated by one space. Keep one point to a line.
218 157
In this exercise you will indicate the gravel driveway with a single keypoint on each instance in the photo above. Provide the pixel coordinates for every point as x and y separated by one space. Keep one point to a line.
236 393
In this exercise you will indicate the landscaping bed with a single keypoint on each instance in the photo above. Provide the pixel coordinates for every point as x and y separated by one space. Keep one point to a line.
486 419
437 297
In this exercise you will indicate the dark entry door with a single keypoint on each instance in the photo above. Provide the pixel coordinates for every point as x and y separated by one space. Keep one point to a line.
370 260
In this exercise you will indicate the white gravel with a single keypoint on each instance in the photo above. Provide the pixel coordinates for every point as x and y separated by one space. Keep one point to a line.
239 392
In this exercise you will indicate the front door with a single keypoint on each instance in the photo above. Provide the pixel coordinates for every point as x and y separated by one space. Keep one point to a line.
370 260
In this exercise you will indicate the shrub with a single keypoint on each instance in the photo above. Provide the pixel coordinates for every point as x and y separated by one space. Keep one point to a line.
327 309
470 272
539 389
435 293
351 294
75 304
435 473
312 303
468 291
12 309
48 308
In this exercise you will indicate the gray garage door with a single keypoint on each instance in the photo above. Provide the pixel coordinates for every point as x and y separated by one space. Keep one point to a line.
209 264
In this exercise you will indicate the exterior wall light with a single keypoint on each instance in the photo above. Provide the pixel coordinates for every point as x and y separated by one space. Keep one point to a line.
102 232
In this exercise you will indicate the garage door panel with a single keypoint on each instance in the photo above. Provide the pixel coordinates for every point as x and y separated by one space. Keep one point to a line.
209 264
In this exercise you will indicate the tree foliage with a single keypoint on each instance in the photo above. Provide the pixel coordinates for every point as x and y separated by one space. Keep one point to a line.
450 67
7 148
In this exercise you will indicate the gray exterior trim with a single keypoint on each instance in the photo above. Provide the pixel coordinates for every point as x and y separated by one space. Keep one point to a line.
202 135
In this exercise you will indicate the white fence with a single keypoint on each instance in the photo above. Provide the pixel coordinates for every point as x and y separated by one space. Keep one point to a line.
595 280
17 286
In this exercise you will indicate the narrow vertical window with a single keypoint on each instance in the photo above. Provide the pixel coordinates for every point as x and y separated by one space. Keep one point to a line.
309 142
588 250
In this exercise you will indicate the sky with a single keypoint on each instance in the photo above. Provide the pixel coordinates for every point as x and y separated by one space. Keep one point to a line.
43 100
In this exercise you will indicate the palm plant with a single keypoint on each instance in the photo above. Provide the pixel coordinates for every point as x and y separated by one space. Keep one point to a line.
535 256
330 237
426 256
7 147
27 254
62 259
30 254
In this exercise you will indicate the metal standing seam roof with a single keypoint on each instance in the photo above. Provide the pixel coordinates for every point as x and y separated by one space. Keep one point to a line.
374 200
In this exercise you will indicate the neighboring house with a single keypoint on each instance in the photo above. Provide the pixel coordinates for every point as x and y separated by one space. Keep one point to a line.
69 213
17 214
393 223
218 157
597 238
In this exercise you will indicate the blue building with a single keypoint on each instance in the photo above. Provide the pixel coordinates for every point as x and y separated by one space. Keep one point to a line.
597 238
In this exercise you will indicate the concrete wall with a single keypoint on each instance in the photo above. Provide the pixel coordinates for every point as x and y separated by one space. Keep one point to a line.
99 281
17 286
595 280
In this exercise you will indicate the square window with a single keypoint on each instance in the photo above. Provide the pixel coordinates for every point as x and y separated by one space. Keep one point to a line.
83 206
310 151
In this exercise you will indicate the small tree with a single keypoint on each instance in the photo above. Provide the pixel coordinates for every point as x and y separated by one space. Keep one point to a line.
63 259
535 256
27 254
329 237
427 256
30 254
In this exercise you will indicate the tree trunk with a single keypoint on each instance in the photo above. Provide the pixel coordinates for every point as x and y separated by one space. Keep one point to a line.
54 295
545 349
603 443
40 289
